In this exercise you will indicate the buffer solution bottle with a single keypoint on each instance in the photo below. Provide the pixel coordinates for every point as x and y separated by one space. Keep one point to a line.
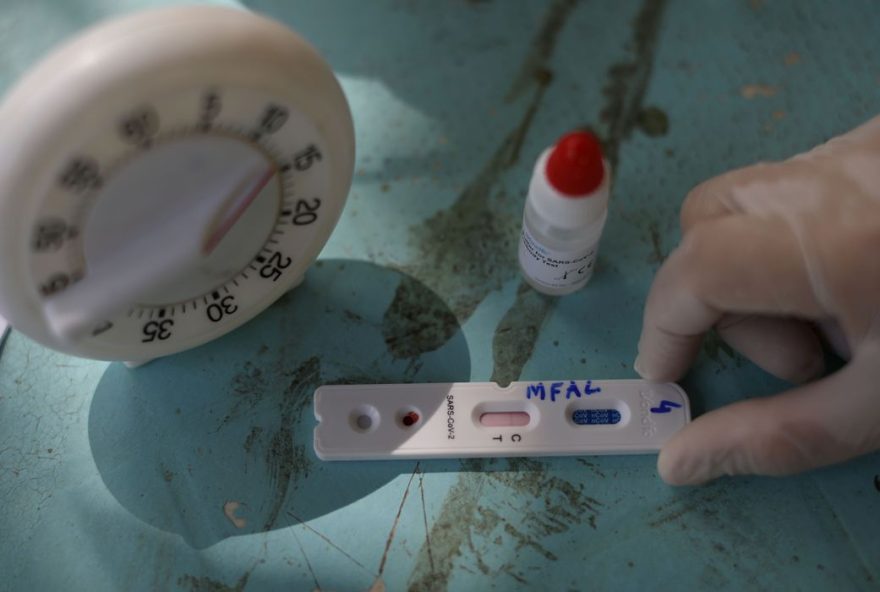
565 213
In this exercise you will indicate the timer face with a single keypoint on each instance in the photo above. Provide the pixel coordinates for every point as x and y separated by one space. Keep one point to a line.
140 171
171 208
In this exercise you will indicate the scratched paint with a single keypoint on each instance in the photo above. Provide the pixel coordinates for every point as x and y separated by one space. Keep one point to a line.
287 461
254 437
248 387
627 81
658 254
516 334
653 122
465 251
393 532
206 584
534 66
435 561
698 511
417 321
243 426
562 506
652 224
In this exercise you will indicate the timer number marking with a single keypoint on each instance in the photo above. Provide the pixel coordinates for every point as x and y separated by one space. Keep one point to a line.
55 284
304 159
218 310
160 330
50 234
81 175
211 106
272 269
140 127
273 119
305 213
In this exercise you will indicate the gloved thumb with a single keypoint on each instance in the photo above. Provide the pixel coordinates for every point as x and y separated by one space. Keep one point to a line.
817 424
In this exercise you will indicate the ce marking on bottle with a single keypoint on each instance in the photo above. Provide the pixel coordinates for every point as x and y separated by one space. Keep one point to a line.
513 438
580 271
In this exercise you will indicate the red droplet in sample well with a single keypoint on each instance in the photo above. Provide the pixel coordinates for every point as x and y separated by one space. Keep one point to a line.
410 418
575 166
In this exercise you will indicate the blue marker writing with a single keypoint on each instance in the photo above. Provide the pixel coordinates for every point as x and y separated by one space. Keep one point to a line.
535 389
665 407
539 390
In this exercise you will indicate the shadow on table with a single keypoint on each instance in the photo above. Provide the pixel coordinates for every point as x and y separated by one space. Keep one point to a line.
217 441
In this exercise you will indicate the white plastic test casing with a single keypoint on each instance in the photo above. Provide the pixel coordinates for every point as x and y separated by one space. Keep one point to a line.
456 420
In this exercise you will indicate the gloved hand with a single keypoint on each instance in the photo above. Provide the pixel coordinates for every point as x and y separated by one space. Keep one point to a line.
768 252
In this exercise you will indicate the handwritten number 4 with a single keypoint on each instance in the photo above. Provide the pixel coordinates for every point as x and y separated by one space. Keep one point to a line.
665 407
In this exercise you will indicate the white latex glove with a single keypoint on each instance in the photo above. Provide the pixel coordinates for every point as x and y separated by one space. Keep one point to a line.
765 249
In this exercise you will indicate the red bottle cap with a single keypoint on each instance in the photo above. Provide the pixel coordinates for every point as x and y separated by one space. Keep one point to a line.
575 167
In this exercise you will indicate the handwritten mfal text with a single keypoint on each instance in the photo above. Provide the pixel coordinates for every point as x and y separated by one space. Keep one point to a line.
541 390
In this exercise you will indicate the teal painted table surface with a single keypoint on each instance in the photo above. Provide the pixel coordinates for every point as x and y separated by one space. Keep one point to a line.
196 472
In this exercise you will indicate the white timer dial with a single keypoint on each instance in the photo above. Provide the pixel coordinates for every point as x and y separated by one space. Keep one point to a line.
171 174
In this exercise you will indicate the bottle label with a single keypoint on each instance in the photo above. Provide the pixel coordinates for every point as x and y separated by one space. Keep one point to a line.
553 268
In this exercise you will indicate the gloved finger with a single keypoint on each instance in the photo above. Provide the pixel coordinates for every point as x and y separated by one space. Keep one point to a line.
846 164
717 197
833 334
733 264
820 423
786 348
761 189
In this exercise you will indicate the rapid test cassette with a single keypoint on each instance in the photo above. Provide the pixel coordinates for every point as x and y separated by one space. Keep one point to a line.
456 420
